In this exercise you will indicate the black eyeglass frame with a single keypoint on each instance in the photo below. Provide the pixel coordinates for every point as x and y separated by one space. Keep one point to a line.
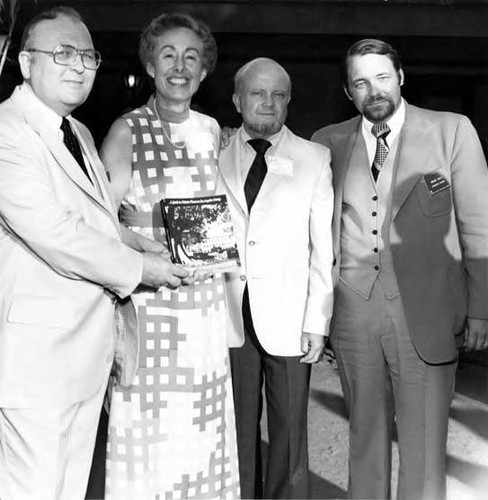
96 56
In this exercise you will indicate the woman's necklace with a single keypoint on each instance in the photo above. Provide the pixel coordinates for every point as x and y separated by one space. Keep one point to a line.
182 144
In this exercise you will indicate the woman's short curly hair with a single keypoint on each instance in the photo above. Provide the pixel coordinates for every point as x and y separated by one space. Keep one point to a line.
169 21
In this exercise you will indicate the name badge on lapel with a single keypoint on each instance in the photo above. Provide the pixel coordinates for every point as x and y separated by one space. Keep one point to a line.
280 166
436 182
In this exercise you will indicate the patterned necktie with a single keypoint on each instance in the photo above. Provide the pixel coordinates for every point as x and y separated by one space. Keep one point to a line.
257 172
71 142
380 131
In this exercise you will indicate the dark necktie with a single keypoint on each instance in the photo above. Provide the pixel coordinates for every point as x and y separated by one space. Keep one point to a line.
380 131
71 142
257 172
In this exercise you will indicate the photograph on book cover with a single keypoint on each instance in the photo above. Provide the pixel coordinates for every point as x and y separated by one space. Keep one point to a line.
200 233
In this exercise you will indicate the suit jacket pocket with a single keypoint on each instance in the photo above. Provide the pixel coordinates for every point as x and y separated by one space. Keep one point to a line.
434 203
45 311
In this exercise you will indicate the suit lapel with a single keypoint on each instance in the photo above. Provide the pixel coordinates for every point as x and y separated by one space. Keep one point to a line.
102 191
412 161
34 114
229 166
272 180
280 167
71 167
343 148
231 171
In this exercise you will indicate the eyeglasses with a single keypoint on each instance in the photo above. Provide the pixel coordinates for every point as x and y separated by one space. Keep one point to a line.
66 55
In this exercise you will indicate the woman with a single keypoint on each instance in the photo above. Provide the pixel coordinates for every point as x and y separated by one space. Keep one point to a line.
172 434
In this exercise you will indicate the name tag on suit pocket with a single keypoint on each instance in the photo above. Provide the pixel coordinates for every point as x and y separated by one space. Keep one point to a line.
434 193
436 182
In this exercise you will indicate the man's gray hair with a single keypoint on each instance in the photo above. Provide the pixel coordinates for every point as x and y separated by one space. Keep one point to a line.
243 70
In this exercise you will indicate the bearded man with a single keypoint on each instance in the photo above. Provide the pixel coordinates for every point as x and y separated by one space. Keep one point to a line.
411 247
279 188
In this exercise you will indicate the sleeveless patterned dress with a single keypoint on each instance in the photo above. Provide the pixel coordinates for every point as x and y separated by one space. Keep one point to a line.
172 434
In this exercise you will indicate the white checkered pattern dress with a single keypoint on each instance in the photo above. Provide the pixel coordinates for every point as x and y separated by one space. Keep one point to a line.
172 434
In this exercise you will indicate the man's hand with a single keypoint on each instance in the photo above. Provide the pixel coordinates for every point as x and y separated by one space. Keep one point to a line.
313 347
148 245
476 334
139 242
158 271
225 136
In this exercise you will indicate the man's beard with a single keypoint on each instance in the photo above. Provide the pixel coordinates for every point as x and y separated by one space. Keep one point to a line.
265 129
380 112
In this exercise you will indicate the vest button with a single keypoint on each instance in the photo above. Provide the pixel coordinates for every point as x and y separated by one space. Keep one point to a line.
375 250
376 268
243 277
375 198
375 231
373 214
252 243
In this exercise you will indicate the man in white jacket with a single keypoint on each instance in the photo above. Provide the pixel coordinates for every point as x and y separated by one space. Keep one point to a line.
63 270
279 188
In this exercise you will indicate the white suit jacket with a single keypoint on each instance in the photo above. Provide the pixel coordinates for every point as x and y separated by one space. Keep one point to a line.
62 263
285 244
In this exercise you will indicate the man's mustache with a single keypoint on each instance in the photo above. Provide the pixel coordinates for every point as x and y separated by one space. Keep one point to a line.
376 99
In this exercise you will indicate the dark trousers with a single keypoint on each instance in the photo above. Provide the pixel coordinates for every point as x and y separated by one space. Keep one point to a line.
286 385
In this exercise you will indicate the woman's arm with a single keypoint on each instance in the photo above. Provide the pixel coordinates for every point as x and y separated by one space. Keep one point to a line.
116 155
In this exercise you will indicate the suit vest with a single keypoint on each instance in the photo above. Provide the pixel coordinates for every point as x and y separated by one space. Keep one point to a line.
365 223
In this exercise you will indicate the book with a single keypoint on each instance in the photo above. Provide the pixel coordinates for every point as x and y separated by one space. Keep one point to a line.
200 233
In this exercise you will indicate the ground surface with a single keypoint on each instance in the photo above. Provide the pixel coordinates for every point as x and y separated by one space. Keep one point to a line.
467 444
328 436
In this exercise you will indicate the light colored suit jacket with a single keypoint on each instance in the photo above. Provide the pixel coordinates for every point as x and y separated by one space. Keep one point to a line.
62 264
285 244
439 239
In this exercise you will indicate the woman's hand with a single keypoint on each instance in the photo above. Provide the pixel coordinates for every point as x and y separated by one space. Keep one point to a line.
226 134
196 275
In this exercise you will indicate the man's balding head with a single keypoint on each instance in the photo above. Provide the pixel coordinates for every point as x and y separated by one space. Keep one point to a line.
262 93
61 87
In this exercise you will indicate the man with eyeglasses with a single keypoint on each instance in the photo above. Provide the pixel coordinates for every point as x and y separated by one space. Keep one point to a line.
66 55
65 274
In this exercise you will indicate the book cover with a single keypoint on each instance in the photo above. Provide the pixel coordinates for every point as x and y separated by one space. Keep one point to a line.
200 233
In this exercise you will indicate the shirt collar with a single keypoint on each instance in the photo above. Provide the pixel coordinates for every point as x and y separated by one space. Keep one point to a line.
395 123
274 139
